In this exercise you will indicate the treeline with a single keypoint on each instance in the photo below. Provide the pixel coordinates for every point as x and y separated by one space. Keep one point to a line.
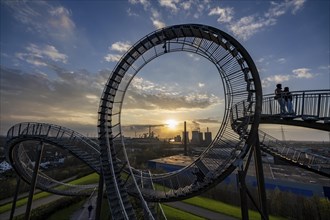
44 211
283 204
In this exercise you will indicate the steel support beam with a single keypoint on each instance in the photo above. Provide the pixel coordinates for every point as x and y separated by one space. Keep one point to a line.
243 194
99 198
260 180
13 206
34 180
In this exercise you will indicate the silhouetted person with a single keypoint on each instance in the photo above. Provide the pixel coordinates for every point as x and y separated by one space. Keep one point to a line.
288 99
279 97
90 208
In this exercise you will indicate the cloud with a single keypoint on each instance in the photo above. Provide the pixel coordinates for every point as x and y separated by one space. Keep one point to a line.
121 46
144 94
324 67
156 19
157 23
131 13
60 19
245 27
171 4
303 73
145 3
271 80
281 60
112 57
207 120
200 85
194 8
41 55
297 5
195 125
43 19
186 5
69 99
225 14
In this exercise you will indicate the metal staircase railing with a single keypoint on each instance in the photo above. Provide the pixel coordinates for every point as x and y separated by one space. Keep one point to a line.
313 162
54 135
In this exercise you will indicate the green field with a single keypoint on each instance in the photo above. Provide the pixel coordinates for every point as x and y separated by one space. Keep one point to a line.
220 207
177 214
89 179
170 212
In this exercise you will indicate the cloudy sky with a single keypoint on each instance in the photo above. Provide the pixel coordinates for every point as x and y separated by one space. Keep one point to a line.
57 55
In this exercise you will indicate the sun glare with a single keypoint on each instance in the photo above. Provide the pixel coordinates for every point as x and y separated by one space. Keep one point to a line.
171 123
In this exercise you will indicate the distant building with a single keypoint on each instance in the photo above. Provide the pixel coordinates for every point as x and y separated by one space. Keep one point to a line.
195 137
177 138
200 136
208 137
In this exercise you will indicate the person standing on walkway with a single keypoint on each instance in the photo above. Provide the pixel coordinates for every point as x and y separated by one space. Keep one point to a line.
288 100
90 208
279 97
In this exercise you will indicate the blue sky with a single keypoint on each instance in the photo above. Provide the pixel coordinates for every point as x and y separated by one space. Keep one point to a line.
57 55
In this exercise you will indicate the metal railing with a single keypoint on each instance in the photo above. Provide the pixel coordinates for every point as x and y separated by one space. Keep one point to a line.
313 162
80 146
308 105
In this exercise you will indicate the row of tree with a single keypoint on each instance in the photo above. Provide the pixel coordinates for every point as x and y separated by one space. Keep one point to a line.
283 204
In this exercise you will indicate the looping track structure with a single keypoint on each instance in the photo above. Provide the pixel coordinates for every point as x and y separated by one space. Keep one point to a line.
237 133
29 134
242 89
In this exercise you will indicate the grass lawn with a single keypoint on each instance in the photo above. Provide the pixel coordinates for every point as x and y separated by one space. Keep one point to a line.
64 214
91 178
224 208
176 214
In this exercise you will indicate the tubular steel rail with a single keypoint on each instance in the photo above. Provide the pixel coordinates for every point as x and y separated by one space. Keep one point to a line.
19 138
236 135
241 86
312 162
308 106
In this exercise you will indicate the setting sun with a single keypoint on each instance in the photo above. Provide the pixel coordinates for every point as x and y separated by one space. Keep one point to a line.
171 123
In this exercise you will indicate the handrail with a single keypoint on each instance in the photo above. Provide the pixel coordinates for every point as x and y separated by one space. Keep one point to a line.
48 133
308 105
277 148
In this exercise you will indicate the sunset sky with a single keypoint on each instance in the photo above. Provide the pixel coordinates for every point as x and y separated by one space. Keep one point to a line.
57 55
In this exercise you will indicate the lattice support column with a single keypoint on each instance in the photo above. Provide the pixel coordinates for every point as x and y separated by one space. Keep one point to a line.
34 180
260 180
13 207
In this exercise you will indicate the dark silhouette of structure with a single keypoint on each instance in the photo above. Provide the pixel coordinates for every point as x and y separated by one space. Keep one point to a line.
238 135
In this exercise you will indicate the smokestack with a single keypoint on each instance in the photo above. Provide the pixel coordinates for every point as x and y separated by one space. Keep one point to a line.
185 138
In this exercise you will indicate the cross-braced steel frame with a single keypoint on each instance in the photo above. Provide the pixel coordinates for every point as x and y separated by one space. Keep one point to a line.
243 98
235 139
